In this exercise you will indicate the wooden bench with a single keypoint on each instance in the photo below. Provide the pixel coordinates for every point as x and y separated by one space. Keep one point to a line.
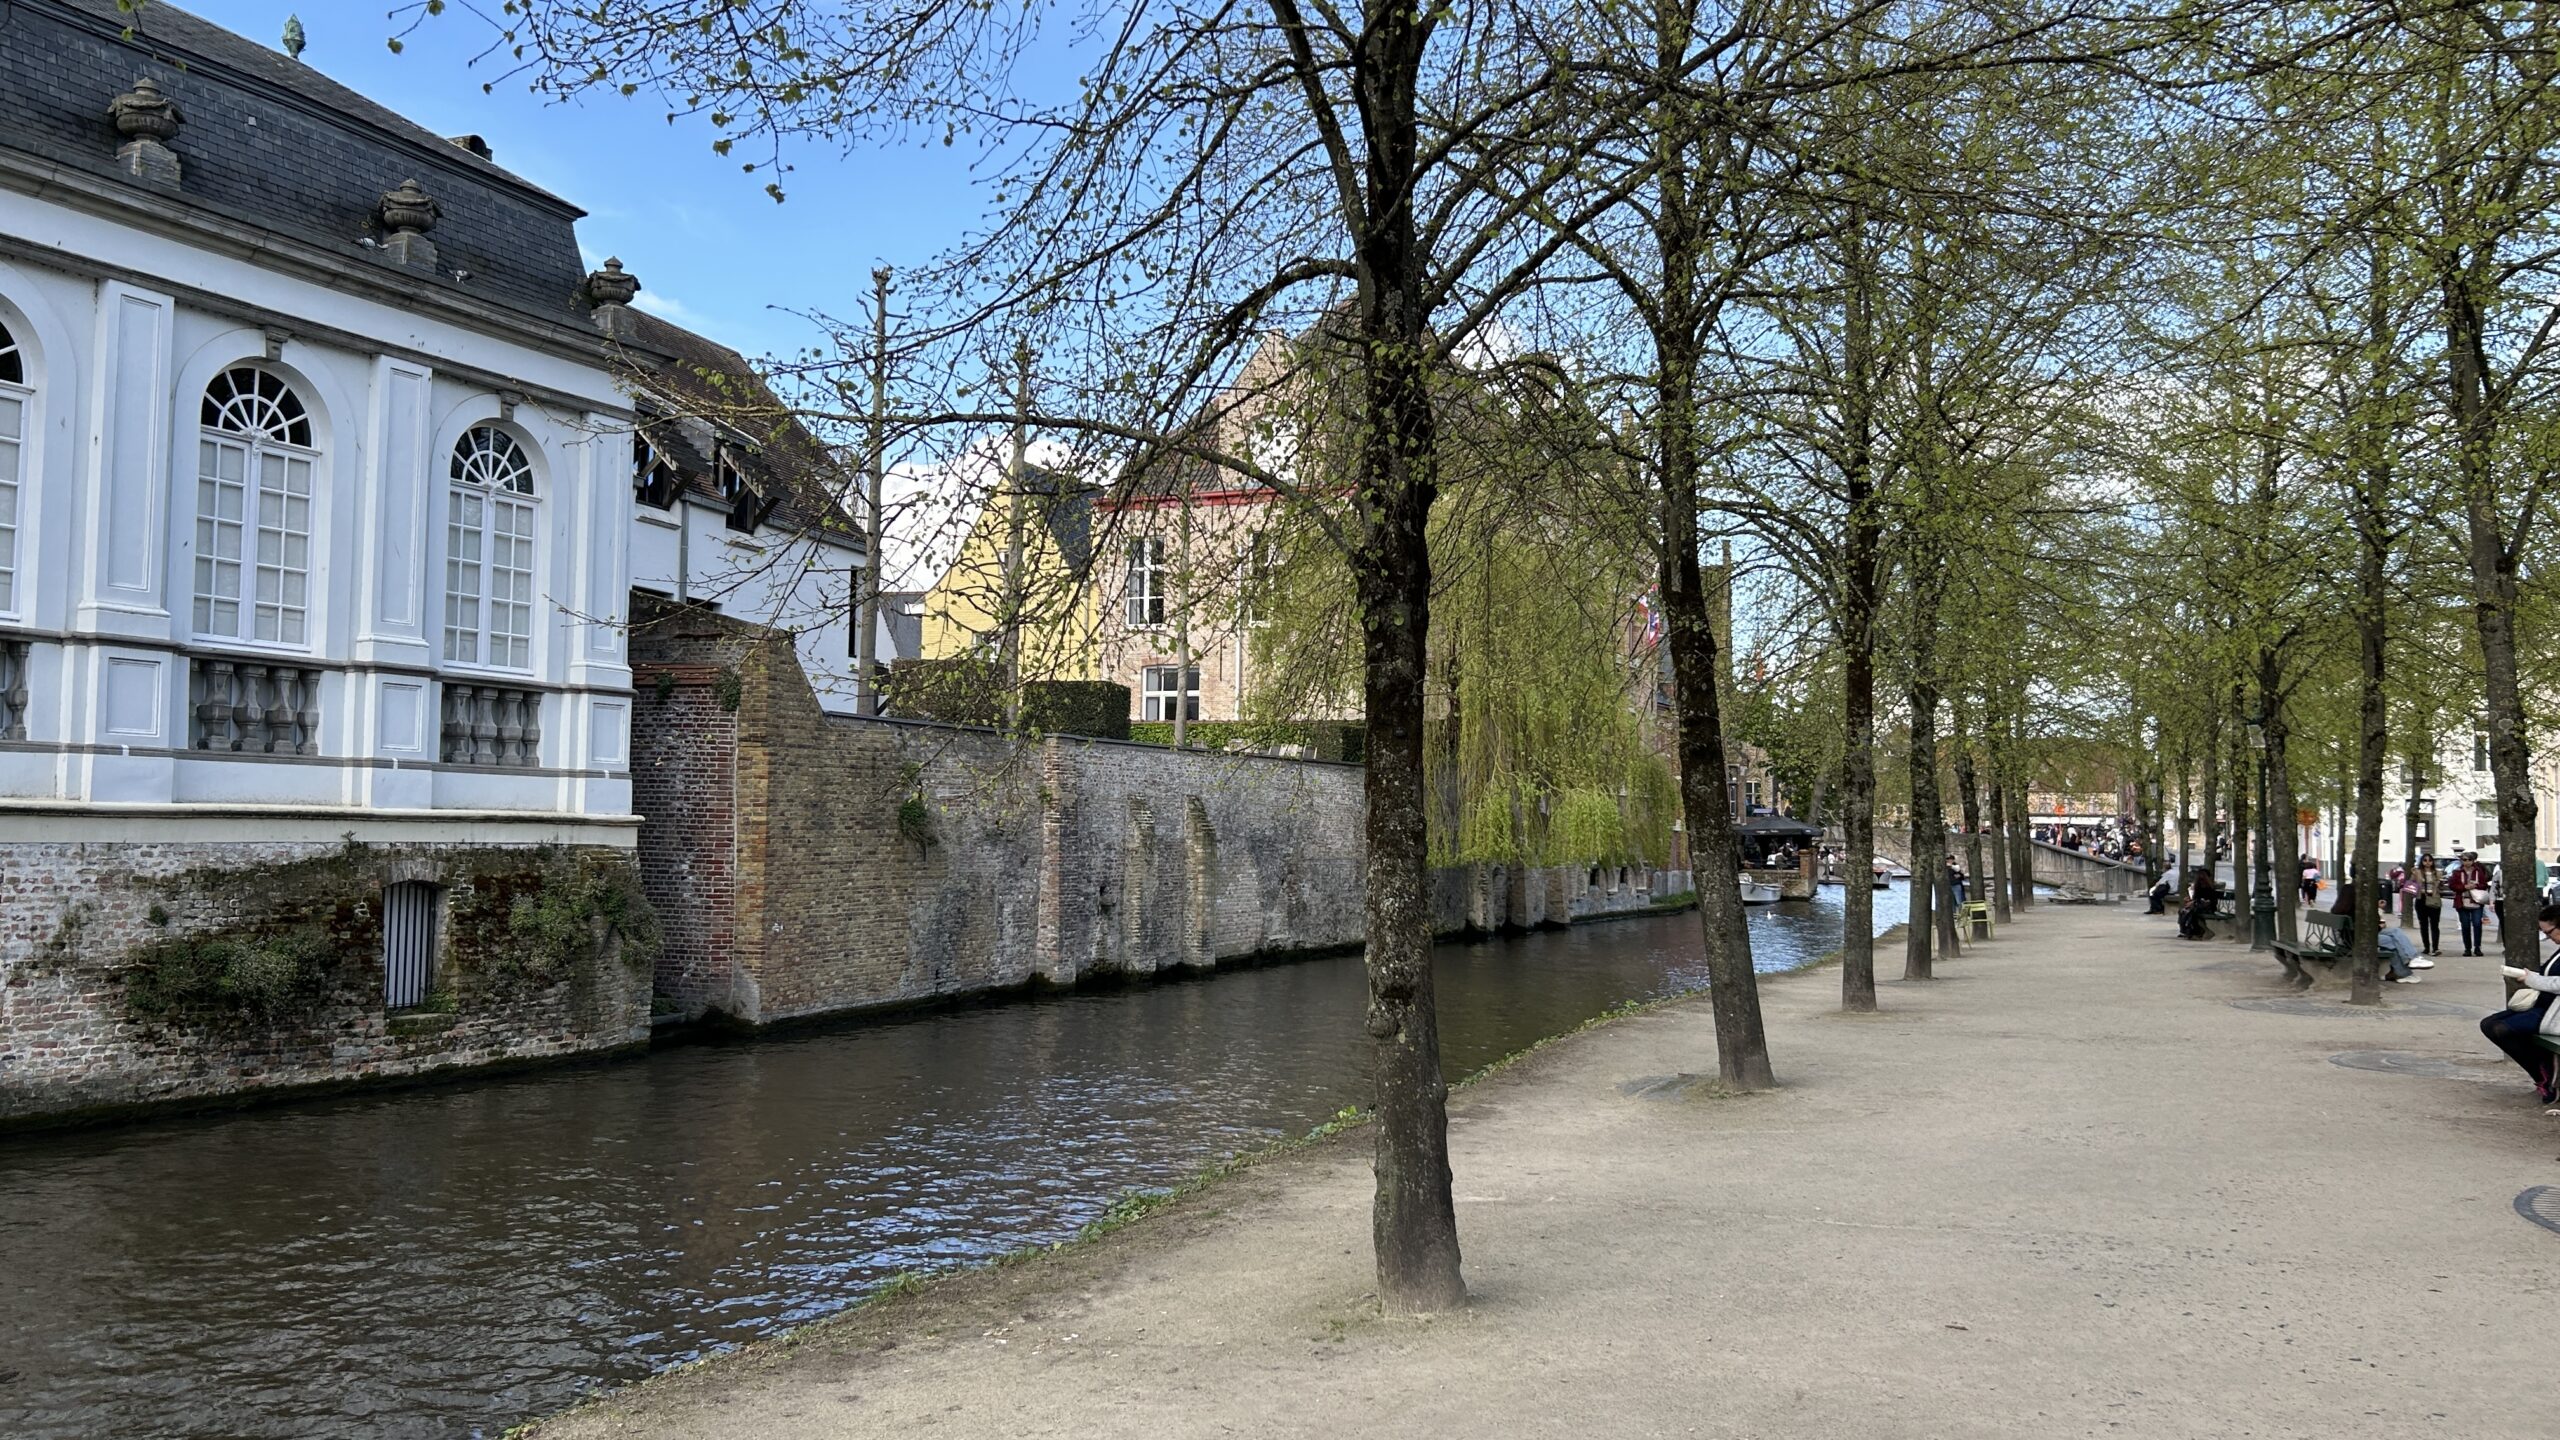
2325 942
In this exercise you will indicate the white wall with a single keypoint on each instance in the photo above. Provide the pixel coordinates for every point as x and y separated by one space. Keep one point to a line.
803 584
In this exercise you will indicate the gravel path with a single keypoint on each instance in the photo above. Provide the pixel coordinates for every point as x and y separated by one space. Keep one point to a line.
2068 1189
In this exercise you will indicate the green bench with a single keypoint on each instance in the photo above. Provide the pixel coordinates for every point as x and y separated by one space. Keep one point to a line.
2326 940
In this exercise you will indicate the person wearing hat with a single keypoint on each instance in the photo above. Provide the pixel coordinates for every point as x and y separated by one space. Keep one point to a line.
2470 885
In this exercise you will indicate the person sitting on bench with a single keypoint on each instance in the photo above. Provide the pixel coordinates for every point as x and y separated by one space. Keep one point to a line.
2531 1015
2166 886
2201 899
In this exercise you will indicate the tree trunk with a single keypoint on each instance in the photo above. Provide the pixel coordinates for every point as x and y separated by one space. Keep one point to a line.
1733 990
2212 816
2243 876
2492 556
1414 1218
2186 813
1928 821
2022 846
2372 750
1859 561
1971 801
2280 801
2000 824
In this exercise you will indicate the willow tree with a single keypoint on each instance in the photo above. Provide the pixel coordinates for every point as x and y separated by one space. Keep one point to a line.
1544 743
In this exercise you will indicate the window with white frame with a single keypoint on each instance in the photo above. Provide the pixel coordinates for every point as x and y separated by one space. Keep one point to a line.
14 396
1162 692
254 457
488 552
1146 582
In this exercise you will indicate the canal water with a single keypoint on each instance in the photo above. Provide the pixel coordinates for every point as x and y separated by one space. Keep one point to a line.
448 1261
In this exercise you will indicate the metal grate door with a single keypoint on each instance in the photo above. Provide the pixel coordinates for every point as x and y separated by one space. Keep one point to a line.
408 943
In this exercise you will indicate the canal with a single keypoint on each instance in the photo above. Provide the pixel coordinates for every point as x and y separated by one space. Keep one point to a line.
448 1261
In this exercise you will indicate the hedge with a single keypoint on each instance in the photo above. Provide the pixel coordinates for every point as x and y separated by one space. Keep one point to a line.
971 692
1344 740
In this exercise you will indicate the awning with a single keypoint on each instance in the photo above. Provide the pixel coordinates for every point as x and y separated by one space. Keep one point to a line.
1777 827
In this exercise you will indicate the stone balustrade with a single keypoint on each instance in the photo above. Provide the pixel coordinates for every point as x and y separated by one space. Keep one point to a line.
496 725
13 689
252 707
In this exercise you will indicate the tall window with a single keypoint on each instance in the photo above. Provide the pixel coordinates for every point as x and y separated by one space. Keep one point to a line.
488 552
13 434
253 510
1161 693
1146 583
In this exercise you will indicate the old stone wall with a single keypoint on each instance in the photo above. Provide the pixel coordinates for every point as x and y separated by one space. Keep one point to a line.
812 863
133 974
878 862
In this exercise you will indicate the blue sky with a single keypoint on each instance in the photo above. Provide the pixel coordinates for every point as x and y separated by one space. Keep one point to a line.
713 252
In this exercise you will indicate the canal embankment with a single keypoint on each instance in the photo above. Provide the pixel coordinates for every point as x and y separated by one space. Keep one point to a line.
2084 1183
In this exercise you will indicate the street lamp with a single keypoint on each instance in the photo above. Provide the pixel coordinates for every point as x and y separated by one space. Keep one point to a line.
2262 898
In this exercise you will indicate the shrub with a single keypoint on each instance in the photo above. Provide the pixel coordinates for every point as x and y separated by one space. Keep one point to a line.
230 976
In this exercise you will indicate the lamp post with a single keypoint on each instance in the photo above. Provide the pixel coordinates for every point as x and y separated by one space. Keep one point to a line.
2262 898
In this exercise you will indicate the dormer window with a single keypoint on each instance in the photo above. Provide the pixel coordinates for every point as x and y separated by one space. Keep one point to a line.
653 480
747 509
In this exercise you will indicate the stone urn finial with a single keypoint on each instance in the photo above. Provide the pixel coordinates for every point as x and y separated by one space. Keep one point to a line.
612 285
409 212
610 291
143 113
147 120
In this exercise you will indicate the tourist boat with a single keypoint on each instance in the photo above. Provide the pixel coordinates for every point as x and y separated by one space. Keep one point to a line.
1756 892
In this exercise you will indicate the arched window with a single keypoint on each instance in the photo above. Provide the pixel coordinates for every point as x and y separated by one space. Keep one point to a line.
488 552
13 435
253 510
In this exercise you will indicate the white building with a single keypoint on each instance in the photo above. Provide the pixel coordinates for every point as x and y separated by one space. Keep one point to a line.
2445 808
324 473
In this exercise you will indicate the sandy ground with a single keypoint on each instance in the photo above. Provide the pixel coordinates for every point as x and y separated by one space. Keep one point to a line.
2068 1189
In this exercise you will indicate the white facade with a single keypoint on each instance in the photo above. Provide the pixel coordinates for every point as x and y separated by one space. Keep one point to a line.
273 612
800 581
2455 806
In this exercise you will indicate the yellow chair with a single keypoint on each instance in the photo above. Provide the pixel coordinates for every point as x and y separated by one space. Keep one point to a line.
1978 912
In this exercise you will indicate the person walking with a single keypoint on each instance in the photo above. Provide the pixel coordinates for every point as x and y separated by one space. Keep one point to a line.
2426 901
2310 881
2470 886
1956 880
2531 1014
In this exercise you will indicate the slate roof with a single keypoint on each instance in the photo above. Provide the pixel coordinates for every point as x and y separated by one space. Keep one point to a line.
271 143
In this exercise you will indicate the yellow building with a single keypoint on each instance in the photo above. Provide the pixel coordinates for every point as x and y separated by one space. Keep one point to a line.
964 612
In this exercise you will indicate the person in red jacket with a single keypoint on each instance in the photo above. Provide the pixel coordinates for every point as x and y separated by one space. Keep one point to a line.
2470 886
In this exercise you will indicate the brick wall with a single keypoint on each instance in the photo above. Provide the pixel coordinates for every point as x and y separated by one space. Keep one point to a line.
683 769
75 918
1050 859
775 832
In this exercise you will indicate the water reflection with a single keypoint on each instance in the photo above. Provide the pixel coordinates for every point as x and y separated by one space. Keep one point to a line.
447 1261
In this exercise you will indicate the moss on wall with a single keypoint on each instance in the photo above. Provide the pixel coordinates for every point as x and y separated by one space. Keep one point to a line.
284 945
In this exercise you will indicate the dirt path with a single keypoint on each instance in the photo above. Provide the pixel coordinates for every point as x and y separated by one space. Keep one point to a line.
2065 1190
